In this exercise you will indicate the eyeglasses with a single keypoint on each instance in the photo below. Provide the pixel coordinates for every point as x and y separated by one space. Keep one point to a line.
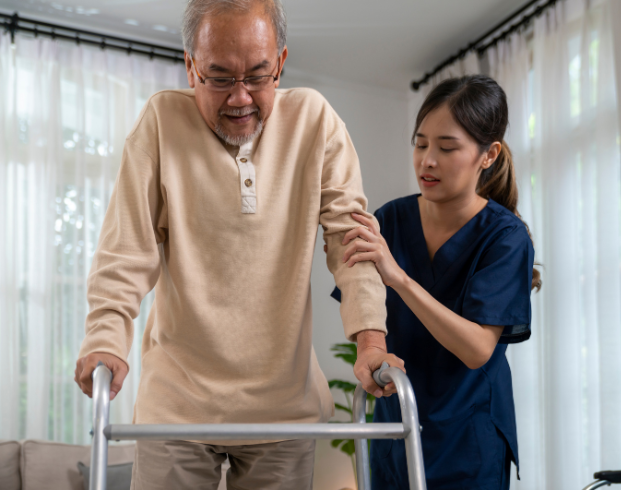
224 84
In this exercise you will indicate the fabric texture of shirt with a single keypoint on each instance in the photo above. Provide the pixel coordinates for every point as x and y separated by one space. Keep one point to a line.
483 273
229 336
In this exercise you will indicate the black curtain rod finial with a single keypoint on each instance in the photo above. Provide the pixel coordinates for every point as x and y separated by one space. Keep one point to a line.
13 26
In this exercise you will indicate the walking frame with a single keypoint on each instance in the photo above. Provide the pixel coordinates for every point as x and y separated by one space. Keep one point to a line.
359 430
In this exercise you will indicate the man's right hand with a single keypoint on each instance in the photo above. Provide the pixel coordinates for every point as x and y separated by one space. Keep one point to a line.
87 364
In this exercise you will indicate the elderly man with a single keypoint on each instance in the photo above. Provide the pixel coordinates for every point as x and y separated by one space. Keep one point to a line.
217 204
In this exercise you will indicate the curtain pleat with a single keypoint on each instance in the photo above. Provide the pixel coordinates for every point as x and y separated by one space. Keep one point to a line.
564 118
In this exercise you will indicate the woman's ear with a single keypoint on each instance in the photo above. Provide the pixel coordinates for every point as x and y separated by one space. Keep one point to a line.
491 155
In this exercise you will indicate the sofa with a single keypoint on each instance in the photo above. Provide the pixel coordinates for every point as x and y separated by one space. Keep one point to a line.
45 465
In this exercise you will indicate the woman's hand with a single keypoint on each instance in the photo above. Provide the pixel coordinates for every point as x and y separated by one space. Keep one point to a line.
372 248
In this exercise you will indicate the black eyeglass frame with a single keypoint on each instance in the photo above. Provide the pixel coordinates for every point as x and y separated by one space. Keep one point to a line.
233 80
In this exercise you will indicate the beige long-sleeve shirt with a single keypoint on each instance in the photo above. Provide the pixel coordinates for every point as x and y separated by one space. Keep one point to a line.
227 241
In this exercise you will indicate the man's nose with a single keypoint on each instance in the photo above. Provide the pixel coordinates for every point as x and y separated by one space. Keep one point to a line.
239 97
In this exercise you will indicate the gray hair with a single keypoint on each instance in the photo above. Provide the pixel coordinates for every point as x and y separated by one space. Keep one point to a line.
195 10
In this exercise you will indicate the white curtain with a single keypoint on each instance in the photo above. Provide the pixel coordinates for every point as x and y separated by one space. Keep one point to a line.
65 111
564 134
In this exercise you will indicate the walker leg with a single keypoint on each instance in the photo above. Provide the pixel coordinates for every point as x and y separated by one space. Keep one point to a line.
362 453
101 411
409 415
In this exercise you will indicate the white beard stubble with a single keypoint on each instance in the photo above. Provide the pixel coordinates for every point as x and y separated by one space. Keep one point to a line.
241 139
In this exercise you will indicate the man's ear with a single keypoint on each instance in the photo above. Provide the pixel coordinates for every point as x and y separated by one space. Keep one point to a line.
282 58
188 69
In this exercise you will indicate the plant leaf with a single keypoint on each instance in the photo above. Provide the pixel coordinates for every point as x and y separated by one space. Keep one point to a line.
348 358
348 447
349 347
348 352
336 442
346 386
338 406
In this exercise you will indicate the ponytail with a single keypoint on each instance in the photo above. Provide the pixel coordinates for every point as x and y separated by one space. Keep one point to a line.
498 183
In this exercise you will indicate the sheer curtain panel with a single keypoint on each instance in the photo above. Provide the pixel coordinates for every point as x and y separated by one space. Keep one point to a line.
562 90
65 111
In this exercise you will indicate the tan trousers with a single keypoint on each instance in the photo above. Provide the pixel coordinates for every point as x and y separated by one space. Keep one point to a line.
181 465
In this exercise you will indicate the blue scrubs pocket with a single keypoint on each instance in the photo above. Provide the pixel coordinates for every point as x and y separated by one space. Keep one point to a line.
451 451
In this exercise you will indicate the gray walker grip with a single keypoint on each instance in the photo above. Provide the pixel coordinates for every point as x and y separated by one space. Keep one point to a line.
377 375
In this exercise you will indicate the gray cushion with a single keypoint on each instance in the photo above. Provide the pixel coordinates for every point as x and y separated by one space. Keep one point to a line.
119 476
53 466
10 478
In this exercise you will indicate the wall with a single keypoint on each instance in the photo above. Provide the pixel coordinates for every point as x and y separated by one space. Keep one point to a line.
378 123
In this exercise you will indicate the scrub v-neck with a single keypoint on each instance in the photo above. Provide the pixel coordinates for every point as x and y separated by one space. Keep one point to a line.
448 251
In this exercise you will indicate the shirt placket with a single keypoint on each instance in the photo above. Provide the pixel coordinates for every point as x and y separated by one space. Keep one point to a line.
247 179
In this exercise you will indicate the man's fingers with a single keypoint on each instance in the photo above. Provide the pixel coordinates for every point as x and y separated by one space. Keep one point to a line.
390 389
373 388
118 376
369 360
84 377
364 374
86 365
394 361
78 370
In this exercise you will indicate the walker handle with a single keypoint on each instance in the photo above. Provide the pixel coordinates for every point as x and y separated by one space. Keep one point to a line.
377 375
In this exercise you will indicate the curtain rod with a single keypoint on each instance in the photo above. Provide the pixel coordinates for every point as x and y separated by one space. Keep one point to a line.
481 48
14 23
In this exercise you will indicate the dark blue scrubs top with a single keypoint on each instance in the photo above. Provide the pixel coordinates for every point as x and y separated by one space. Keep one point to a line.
482 273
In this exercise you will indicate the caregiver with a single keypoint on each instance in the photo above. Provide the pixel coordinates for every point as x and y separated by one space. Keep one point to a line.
458 261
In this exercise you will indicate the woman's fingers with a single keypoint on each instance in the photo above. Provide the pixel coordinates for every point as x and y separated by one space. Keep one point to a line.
360 232
362 257
357 246
369 223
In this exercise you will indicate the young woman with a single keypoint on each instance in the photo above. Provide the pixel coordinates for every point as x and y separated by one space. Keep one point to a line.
458 261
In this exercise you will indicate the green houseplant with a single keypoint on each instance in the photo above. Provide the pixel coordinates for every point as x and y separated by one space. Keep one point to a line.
348 353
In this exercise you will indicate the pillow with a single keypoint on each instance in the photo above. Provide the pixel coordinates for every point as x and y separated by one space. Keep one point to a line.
52 465
119 476
10 478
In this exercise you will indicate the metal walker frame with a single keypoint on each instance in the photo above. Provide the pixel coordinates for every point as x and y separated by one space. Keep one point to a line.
360 431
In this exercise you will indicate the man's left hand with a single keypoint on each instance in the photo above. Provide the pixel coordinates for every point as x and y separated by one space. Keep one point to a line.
371 354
